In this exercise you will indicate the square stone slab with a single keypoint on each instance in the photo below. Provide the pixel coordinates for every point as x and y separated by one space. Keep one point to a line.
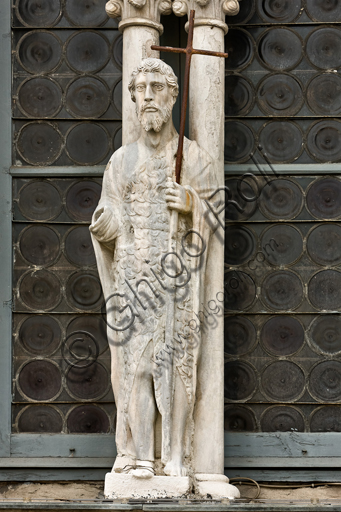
118 485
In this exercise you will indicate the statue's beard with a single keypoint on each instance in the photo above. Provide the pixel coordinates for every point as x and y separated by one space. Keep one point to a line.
154 120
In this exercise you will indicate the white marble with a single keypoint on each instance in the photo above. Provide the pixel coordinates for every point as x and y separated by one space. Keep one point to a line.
216 486
141 28
119 486
143 236
161 264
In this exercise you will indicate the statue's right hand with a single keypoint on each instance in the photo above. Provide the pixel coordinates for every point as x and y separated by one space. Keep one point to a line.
104 225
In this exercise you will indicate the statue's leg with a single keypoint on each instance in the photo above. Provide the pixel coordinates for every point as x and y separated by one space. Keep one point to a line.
142 415
181 409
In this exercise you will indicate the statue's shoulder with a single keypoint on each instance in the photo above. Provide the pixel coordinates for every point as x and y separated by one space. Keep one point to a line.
119 155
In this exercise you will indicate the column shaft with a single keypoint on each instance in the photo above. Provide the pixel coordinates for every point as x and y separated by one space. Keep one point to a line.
207 128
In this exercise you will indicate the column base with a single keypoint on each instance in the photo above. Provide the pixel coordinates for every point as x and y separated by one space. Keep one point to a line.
216 486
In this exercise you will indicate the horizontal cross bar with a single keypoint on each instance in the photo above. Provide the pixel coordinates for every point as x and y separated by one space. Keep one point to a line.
191 51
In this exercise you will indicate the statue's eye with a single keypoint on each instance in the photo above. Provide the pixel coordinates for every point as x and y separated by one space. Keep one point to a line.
158 87
140 88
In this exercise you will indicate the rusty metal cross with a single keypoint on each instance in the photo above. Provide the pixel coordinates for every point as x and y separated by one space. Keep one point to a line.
189 51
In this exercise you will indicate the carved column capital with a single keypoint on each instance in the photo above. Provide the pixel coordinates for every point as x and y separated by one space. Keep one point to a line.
139 12
207 12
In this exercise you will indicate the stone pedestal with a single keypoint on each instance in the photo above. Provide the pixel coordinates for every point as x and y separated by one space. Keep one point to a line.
123 486
120 486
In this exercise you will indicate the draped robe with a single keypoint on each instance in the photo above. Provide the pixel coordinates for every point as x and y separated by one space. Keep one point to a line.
131 269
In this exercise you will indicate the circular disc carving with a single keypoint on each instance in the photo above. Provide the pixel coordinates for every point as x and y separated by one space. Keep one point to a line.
326 419
246 10
78 247
87 143
283 381
325 381
281 141
39 200
325 334
87 97
117 97
87 52
239 419
40 335
40 97
84 291
282 244
39 52
240 291
239 142
281 199
280 49
324 94
39 143
40 418
279 11
80 349
324 48
324 198
82 199
282 291
86 13
88 383
94 325
282 335
239 335
40 380
237 208
240 380
118 51
280 95
324 244
240 244
324 290
40 290
238 45
44 13
282 419
324 141
238 96
87 419
324 10
39 245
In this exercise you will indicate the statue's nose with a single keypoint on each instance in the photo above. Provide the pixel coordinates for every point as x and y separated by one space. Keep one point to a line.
149 93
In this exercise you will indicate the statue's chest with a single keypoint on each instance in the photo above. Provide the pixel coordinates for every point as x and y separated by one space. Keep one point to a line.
144 191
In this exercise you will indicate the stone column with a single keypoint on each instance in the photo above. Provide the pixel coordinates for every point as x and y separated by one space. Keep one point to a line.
206 121
141 28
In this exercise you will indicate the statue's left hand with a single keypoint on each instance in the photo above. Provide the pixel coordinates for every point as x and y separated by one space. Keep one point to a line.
178 198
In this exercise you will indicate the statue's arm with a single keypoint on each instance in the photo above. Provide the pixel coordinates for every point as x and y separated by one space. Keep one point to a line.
105 221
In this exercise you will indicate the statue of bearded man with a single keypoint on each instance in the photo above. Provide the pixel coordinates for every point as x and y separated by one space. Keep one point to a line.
154 382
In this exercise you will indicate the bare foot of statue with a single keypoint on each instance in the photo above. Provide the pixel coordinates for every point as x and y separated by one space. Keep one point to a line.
144 469
175 468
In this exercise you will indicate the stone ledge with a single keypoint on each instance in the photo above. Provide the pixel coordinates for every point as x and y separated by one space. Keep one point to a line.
263 506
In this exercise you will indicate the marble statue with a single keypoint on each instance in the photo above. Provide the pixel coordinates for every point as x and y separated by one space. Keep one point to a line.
154 381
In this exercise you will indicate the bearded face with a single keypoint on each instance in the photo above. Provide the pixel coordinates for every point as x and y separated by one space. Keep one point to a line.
152 116
154 100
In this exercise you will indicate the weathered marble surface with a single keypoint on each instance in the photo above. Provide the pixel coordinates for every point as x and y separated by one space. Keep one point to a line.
150 289
169 395
127 486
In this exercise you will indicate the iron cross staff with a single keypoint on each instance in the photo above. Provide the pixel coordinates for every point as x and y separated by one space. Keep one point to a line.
170 306
189 51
